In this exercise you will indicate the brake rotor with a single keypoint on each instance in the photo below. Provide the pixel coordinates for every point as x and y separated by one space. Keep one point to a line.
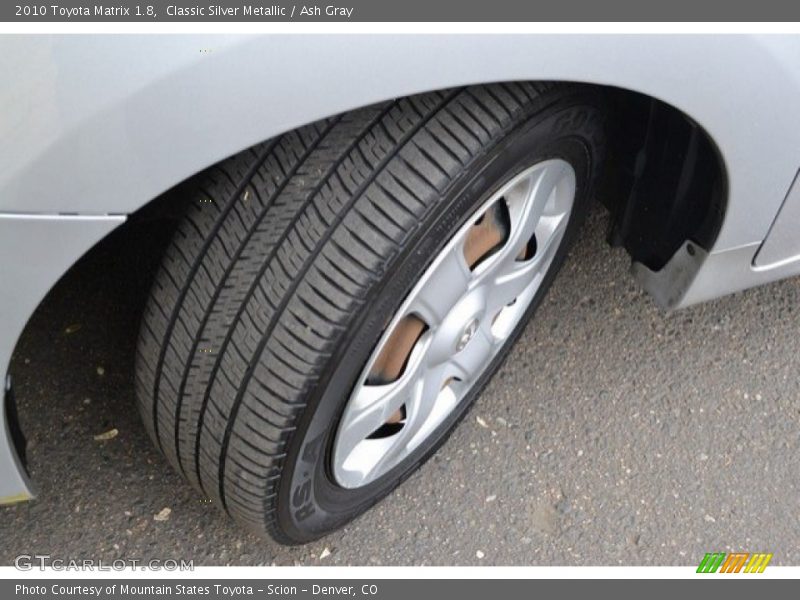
486 235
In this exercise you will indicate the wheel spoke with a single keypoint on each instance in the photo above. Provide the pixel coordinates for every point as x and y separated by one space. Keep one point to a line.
446 284
526 208
420 409
552 231
373 405
374 409
507 286
421 418
511 281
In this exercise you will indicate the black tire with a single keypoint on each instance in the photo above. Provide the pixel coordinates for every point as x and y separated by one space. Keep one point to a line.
288 262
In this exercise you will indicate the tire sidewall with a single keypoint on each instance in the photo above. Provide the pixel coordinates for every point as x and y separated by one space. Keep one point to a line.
310 503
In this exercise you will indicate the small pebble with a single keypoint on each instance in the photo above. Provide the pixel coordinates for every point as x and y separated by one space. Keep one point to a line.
108 435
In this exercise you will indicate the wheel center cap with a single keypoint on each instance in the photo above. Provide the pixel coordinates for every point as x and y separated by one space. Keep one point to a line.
467 334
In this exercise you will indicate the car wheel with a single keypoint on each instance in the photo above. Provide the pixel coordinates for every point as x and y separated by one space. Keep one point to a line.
334 299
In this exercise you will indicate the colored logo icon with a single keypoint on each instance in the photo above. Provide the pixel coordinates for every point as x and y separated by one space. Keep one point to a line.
735 562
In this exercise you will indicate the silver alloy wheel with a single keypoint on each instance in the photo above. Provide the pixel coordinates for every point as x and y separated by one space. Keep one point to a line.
456 319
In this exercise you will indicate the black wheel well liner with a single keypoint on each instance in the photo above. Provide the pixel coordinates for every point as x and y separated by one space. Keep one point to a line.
665 183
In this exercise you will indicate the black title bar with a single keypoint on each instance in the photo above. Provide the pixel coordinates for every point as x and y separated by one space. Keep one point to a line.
400 10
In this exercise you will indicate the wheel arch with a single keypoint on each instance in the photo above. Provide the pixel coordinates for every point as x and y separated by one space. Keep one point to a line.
665 182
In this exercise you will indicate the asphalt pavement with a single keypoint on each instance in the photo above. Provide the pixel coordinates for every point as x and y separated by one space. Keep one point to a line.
614 434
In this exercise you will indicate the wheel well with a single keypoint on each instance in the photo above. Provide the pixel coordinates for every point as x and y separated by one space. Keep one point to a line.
666 182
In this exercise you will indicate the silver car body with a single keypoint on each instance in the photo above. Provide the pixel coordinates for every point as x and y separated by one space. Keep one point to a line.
94 127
